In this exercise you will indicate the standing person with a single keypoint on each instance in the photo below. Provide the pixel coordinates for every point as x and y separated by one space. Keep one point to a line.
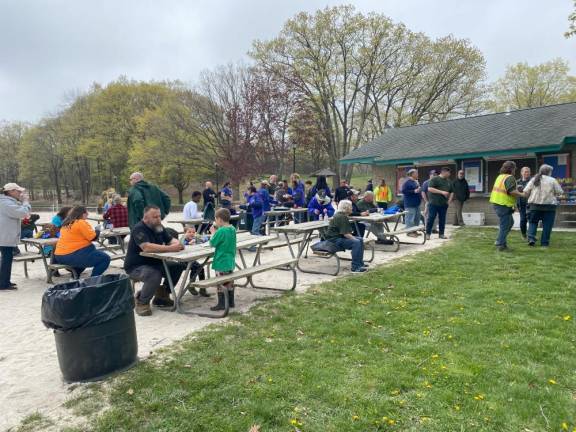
522 202
265 196
370 186
143 194
208 194
149 235
224 242
272 184
191 210
298 196
383 195
424 195
307 190
503 198
226 195
75 248
341 191
339 232
440 195
542 191
255 205
461 195
411 192
14 206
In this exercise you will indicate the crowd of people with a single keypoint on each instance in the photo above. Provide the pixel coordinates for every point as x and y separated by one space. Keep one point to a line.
147 205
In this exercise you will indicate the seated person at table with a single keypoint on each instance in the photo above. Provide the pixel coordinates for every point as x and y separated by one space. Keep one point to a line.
196 268
116 216
75 248
339 232
224 242
320 205
59 217
192 211
149 235
353 198
367 206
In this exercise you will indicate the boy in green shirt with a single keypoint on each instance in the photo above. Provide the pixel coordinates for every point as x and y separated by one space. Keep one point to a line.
224 241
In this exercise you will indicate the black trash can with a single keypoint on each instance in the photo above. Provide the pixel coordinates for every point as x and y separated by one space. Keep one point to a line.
94 328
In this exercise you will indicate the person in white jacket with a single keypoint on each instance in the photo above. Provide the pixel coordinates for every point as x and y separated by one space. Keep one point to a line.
14 206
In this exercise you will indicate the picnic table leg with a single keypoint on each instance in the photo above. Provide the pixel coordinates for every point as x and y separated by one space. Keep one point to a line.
289 245
171 285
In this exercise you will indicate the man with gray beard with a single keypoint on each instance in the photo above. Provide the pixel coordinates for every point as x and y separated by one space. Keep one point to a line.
149 235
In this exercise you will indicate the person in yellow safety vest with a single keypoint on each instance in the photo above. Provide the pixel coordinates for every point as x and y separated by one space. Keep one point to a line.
503 198
383 195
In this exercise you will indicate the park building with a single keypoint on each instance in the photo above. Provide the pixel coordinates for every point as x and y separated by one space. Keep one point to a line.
478 145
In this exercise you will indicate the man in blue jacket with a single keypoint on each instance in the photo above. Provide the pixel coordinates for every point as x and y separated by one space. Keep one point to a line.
412 199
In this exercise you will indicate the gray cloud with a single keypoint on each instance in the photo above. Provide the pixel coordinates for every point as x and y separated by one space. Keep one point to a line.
49 48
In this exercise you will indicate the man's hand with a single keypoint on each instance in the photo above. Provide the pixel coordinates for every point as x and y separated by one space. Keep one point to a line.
212 229
365 213
175 247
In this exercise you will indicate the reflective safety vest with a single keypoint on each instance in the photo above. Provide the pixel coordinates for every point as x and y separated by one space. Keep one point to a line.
499 194
383 194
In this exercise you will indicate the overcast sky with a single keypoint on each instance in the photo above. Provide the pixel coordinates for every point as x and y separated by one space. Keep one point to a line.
51 48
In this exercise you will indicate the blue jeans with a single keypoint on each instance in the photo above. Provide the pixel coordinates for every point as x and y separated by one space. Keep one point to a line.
257 225
83 258
547 217
504 214
413 217
357 247
6 265
434 210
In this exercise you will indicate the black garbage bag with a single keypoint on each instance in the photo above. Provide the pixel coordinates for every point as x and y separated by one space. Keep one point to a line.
87 302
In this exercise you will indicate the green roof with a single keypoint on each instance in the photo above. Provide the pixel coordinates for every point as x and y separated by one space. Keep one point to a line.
528 130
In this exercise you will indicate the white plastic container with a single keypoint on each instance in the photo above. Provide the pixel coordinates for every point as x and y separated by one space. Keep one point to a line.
474 219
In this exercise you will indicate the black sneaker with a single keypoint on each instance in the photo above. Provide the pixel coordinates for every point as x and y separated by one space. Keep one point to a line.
9 288
163 302
504 249
359 270
531 243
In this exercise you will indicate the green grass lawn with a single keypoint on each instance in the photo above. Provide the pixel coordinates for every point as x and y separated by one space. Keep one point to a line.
457 339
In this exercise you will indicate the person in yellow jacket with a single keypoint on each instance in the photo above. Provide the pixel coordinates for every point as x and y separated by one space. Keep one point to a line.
503 198
383 195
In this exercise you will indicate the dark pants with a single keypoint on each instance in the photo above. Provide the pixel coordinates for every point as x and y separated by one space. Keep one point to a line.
506 220
152 278
523 210
85 258
6 265
357 247
434 210
547 217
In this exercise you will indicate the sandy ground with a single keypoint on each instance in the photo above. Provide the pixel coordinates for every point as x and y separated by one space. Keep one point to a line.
30 379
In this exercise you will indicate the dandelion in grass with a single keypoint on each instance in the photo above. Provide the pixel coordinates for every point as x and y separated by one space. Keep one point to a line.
566 317
552 381
479 397
355 418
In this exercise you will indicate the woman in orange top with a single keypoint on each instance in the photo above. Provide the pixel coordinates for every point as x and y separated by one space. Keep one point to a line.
75 248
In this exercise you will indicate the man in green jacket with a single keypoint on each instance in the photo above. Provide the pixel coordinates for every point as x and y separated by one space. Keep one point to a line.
143 194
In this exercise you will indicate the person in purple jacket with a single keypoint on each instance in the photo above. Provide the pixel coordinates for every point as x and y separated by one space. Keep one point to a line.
412 199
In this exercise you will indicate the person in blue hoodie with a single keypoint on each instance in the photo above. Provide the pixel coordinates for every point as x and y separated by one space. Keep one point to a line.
256 206
412 199
320 205
298 196
320 184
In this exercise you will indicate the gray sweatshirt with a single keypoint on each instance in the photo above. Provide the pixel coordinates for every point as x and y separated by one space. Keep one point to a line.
12 212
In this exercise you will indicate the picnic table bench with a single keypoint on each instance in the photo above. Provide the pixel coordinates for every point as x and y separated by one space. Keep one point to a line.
305 232
203 253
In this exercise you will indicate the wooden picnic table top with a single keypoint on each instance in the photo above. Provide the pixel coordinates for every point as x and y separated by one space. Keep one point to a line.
195 221
204 250
376 217
97 218
302 227
278 212
114 232
41 242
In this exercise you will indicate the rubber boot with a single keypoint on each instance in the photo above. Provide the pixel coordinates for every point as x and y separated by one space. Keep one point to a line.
231 297
220 306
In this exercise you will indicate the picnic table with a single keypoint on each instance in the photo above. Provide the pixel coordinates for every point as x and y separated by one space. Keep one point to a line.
198 221
279 215
373 220
97 218
118 233
203 253
304 232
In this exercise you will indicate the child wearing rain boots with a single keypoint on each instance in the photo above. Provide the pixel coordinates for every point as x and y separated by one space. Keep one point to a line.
224 241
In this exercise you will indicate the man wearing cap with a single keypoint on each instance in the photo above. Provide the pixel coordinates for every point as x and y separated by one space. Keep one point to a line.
14 206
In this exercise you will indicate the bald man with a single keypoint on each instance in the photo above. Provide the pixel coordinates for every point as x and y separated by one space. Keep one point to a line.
143 194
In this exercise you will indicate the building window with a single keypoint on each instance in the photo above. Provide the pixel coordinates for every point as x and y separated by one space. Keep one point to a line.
474 174
495 165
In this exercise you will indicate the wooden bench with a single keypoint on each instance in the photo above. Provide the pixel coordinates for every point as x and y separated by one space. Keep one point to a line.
27 257
54 267
368 242
248 273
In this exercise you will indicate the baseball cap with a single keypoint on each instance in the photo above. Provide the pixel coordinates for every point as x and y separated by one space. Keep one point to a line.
12 186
